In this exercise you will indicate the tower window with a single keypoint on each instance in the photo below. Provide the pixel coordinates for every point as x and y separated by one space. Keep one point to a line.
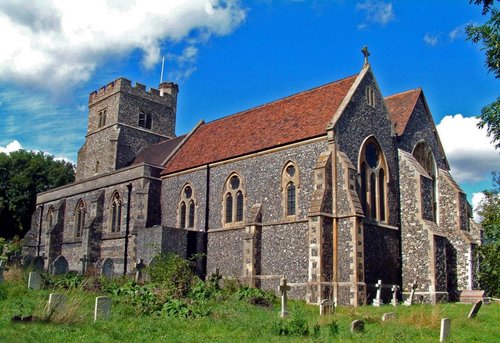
145 120
102 118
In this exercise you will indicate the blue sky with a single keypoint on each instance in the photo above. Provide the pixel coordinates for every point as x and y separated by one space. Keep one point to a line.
228 56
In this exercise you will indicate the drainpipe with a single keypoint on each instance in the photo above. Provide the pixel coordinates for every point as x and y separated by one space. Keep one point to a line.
127 229
39 231
335 217
207 216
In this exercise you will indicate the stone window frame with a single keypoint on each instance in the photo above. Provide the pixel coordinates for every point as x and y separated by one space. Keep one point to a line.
145 120
233 215
101 120
80 212
186 208
288 180
373 181
370 96
51 219
115 212
422 152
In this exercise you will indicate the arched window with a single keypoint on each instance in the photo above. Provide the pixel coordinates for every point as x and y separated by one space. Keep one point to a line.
423 154
116 212
79 218
289 187
187 208
370 96
234 201
373 179
102 118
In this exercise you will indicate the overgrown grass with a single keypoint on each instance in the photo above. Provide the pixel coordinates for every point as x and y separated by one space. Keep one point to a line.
230 317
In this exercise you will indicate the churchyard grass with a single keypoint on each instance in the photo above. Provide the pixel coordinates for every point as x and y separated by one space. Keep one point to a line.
229 320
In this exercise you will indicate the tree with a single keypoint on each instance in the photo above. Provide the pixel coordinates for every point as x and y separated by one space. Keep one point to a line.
23 174
488 35
489 252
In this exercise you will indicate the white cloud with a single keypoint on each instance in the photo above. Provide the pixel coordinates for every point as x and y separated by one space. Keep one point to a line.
12 146
52 43
470 153
476 200
375 11
431 40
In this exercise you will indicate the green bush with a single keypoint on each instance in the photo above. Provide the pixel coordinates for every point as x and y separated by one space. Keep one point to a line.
256 296
184 309
296 325
173 273
66 281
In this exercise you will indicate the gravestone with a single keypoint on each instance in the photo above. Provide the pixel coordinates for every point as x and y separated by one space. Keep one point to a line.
394 289
283 289
388 316
102 309
139 267
85 260
35 280
108 268
325 307
409 301
377 301
445 329
475 309
38 263
27 260
57 303
357 326
60 265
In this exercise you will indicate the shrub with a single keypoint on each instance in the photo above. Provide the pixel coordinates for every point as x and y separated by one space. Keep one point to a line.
256 296
66 281
173 273
180 308
296 325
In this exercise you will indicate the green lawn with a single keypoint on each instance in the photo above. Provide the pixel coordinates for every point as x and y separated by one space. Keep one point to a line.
232 320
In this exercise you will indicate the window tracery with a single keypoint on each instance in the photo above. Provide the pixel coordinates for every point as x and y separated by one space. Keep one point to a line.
187 208
234 201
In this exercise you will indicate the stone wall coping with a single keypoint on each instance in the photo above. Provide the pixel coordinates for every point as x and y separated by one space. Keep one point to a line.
120 176
242 227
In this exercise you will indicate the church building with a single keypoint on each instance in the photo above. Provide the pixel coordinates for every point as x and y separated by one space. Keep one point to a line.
334 188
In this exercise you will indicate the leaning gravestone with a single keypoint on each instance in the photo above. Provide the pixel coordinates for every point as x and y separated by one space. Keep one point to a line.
60 265
38 263
445 329
409 301
35 280
475 309
57 302
27 260
357 326
108 268
102 309
388 316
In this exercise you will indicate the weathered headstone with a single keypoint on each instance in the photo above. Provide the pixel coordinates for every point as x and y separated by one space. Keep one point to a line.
325 307
378 301
475 309
139 267
357 326
284 301
38 263
34 280
108 268
394 289
388 316
60 265
409 301
27 260
85 260
445 329
102 309
57 303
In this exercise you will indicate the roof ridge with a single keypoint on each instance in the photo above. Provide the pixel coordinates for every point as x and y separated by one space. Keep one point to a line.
404 92
280 99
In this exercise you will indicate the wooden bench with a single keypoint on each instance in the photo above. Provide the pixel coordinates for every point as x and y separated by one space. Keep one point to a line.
471 296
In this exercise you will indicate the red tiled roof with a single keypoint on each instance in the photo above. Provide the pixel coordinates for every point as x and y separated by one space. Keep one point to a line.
295 118
400 107
157 153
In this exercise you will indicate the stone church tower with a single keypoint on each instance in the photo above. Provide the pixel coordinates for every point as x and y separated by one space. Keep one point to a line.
123 119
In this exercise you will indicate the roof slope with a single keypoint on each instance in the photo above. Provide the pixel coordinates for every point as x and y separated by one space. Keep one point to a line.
295 118
400 107
157 153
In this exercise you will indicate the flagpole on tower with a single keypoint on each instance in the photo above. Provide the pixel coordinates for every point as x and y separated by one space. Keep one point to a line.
162 66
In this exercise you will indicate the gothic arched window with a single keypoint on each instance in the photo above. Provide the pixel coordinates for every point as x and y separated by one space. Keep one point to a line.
373 179
233 201
116 212
187 208
289 189
50 217
79 218
423 154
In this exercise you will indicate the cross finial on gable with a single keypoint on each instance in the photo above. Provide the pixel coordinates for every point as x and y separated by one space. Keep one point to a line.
366 53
